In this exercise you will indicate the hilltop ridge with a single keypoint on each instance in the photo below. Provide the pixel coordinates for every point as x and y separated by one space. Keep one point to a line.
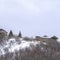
5 35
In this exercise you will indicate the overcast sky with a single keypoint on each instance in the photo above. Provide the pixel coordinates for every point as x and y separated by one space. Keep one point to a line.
31 17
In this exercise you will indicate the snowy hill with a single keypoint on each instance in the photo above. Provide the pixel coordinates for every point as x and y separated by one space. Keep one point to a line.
13 47
20 49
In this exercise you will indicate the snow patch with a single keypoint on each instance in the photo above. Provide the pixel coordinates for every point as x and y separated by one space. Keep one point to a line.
44 43
58 40
13 45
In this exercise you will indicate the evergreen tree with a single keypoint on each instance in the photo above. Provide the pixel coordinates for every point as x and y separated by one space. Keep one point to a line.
20 35
54 37
11 33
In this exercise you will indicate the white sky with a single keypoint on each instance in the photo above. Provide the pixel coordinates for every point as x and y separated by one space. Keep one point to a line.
32 17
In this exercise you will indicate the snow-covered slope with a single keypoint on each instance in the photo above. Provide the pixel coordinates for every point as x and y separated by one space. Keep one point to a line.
13 45
20 49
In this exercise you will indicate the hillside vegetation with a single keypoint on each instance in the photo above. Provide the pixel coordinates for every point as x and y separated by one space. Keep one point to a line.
13 47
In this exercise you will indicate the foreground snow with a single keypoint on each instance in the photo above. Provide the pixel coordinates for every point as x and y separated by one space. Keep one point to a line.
13 45
19 49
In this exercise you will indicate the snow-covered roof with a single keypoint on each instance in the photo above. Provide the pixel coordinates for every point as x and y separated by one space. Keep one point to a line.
2 30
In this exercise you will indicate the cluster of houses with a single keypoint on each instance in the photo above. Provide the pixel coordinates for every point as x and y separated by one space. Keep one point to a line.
5 35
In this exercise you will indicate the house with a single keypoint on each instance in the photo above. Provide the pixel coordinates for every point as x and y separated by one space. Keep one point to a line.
3 33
